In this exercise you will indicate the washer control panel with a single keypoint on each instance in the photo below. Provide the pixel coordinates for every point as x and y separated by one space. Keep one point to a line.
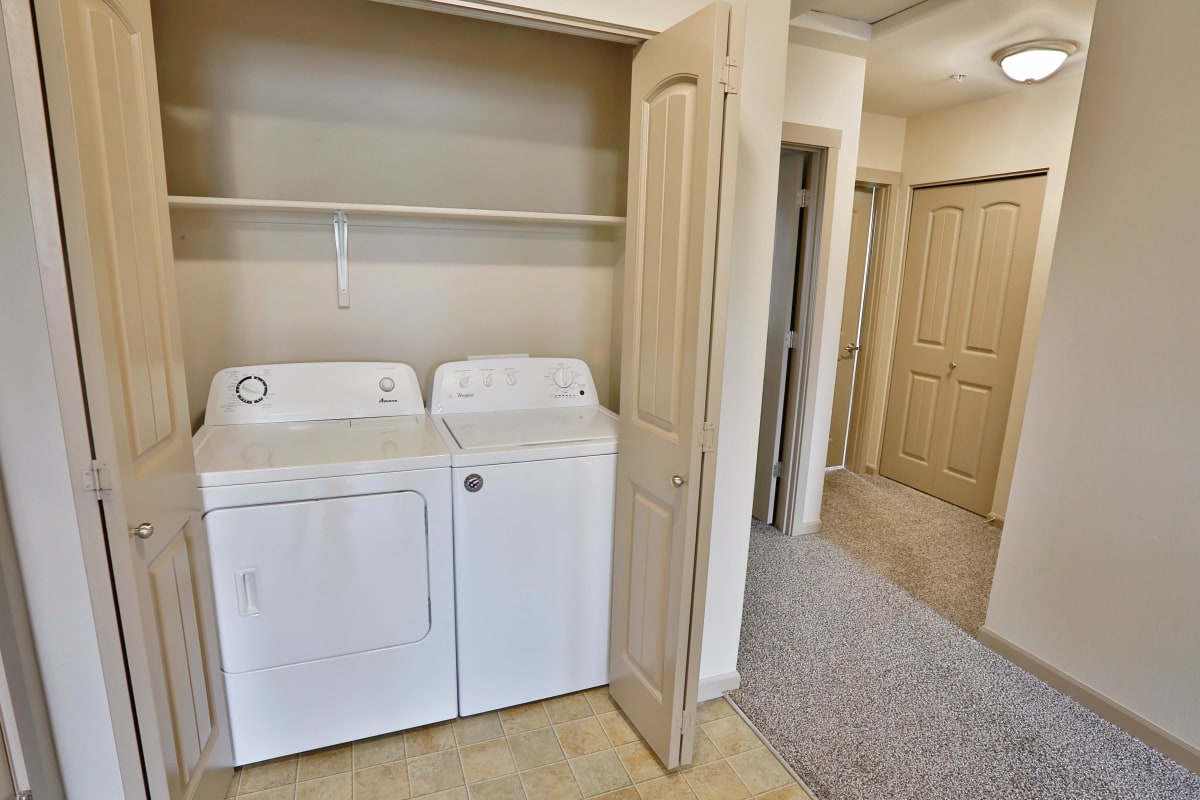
308 392
511 384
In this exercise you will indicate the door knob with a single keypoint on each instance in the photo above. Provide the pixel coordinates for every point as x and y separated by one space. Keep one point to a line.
953 366
143 531
678 481
853 348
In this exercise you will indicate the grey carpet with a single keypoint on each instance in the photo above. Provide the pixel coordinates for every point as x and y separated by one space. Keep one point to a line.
870 695
941 554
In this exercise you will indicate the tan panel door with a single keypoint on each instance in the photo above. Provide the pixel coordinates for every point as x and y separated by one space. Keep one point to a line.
962 308
98 58
677 141
852 308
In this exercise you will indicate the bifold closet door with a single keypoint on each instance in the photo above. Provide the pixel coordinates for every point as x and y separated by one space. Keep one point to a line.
102 96
962 307
681 154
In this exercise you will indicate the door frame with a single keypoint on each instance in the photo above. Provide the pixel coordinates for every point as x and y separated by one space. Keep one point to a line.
63 555
796 451
887 211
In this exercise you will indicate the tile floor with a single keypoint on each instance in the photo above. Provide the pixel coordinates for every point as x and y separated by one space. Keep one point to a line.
574 746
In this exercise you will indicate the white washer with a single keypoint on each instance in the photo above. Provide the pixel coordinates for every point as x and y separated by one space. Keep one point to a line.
327 504
533 459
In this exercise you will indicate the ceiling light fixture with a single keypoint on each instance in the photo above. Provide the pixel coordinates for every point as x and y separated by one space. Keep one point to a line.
1031 62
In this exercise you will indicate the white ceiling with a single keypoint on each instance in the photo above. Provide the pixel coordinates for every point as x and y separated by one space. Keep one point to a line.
914 49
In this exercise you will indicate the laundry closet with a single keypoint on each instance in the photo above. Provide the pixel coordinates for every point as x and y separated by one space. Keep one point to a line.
428 131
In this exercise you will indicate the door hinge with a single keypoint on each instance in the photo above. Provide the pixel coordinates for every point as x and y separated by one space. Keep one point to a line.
777 469
802 198
98 480
708 437
686 720
789 340
731 75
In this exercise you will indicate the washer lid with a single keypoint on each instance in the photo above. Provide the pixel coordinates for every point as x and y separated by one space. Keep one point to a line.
228 455
525 434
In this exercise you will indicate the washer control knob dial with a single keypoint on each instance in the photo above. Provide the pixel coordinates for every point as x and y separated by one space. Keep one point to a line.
487 380
510 378
387 384
251 389
563 378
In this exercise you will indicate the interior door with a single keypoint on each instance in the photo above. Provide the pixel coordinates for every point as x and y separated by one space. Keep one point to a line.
789 213
852 311
962 308
98 62
682 129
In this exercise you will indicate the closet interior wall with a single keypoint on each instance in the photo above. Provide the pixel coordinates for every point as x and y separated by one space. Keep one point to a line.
358 102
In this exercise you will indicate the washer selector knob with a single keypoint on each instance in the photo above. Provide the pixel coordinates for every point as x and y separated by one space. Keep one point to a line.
251 389
563 378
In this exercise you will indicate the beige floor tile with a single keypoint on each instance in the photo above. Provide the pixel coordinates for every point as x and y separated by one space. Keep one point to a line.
278 793
670 787
331 787
384 782
479 728
482 762
704 751
555 782
268 774
717 781
582 736
380 750
232 791
793 792
628 793
536 748
507 788
600 700
430 739
760 770
731 735
599 773
618 728
457 793
329 761
434 773
640 762
528 717
568 707
713 709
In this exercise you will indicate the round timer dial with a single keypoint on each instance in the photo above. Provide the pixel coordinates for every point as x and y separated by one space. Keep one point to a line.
251 389
563 378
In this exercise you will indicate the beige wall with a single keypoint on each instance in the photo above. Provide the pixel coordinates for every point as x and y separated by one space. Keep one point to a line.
1098 563
1029 129
825 88
881 142
363 102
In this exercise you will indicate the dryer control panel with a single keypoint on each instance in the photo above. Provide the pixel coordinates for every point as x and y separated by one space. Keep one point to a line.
309 392
511 384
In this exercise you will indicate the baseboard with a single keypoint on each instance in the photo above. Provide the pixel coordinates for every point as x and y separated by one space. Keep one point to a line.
996 521
807 528
1089 698
717 685
871 469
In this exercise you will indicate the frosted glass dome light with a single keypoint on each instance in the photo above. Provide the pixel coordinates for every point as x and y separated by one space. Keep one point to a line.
1030 62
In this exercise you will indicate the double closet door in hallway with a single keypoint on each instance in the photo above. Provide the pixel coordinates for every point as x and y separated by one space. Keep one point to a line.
962 308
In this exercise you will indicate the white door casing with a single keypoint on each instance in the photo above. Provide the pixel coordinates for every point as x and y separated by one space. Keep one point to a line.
962 309
682 141
101 92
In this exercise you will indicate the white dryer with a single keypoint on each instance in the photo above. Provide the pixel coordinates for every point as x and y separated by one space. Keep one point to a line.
327 504
533 460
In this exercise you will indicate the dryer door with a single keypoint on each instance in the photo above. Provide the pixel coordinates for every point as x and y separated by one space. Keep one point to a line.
302 581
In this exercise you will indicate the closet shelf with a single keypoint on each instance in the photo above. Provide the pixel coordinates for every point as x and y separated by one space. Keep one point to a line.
376 210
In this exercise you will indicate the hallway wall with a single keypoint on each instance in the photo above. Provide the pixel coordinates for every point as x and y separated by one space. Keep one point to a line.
1098 562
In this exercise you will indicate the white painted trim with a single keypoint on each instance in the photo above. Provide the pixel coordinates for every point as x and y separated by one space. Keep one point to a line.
530 18
717 685
807 528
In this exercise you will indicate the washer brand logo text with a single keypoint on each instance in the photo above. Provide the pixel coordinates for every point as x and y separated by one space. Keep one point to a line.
385 400
465 394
